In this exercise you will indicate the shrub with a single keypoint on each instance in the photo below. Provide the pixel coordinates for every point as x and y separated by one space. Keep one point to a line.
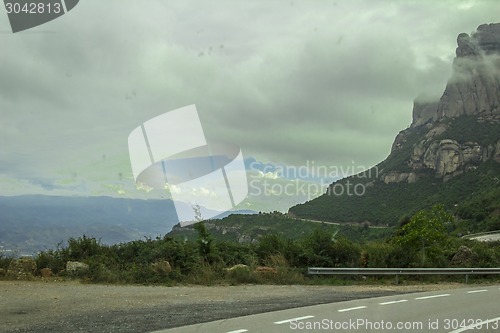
424 238
4 262
241 274
50 259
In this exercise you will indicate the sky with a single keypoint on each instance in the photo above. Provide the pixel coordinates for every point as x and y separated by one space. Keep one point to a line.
295 83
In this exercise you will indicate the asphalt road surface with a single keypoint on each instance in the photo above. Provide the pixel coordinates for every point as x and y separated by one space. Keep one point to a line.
452 311
488 238
62 307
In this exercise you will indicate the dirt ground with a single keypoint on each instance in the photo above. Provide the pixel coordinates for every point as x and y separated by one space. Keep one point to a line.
62 307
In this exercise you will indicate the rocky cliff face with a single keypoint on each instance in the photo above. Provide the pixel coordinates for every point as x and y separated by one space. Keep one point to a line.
474 87
472 93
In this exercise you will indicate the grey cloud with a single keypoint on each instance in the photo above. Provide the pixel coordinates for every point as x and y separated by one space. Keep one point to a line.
312 81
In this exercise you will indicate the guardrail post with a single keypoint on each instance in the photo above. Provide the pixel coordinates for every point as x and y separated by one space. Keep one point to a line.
466 278
397 279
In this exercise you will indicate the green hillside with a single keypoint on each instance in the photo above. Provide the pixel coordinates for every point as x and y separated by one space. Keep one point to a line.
251 228
388 203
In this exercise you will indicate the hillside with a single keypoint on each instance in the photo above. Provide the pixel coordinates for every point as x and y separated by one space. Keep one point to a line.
450 154
250 228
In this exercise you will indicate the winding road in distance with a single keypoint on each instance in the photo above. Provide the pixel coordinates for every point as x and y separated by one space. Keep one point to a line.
488 238
475 309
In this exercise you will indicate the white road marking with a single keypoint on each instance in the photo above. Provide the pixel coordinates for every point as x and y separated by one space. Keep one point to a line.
351 309
393 302
477 291
238 331
293 319
433 296
479 324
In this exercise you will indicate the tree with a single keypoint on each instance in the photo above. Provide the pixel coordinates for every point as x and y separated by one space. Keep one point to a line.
205 238
424 236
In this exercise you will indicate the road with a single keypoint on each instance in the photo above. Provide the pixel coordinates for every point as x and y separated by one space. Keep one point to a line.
315 221
453 311
359 224
488 238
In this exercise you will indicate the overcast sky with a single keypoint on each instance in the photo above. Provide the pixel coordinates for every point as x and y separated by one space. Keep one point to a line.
288 81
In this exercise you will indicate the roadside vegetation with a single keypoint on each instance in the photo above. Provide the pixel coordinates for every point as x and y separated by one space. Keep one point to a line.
426 239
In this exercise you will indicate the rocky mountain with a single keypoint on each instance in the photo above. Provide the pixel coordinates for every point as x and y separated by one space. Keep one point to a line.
473 91
474 88
449 154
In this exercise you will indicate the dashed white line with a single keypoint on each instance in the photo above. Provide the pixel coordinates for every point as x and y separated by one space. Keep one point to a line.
393 302
433 296
293 319
476 291
479 324
351 309
239 331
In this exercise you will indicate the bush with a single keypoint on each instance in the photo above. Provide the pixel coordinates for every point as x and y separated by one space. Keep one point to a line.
242 274
424 238
321 249
83 248
4 262
206 274
377 255
52 260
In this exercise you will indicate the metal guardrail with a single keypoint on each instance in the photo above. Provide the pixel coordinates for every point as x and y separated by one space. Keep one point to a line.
403 271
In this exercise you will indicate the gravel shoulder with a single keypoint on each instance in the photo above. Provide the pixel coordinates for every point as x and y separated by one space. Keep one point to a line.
37 306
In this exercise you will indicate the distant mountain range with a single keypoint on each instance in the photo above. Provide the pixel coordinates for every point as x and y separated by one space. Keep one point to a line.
449 155
31 223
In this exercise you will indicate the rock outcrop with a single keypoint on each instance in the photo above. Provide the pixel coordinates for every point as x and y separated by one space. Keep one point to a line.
161 267
473 91
474 87
73 267
46 273
464 257
22 269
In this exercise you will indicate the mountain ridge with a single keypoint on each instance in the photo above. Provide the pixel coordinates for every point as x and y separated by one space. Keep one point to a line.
450 153
30 223
472 94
